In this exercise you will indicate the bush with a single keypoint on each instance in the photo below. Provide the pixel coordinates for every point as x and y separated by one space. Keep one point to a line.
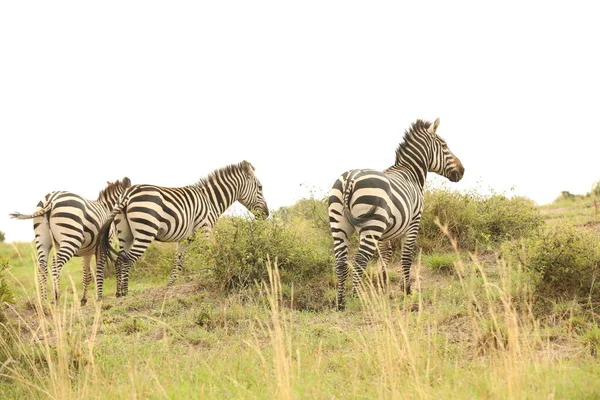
2 237
6 295
312 210
457 210
476 221
157 262
565 264
235 256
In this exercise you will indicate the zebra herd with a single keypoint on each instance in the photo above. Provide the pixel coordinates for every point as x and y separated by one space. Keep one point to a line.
379 206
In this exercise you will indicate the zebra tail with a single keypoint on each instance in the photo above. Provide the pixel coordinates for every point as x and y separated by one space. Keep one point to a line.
104 244
44 210
361 219
347 194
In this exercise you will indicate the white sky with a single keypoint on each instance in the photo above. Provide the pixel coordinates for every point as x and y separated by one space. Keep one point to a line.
166 92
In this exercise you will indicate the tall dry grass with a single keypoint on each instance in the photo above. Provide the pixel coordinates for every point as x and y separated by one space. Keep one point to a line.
50 353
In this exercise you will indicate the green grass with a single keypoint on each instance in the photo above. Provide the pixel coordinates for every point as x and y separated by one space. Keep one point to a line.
440 263
583 211
471 337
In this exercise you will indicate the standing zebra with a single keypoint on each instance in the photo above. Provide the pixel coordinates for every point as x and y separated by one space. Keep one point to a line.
382 206
146 213
72 224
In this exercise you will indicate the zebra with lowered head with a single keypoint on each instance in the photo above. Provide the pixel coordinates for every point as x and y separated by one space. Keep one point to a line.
381 206
72 224
147 213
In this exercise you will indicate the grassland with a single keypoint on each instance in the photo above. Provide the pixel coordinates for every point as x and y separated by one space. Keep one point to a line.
469 334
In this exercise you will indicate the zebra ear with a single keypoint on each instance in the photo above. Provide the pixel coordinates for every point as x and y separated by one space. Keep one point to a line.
433 127
126 182
247 167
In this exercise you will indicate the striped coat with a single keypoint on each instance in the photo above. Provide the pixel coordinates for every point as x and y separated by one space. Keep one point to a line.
71 224
384 205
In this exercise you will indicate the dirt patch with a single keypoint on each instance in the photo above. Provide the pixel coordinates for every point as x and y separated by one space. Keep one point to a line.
546 211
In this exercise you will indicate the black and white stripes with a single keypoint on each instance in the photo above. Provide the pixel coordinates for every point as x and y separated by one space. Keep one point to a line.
147 213
71 223
382 206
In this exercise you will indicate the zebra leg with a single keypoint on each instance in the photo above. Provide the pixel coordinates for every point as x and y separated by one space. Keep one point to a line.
100 266
341 269
43 244
385 253
125 236
407 255
63 255
87 277
367 247
120 267
341 231
126 260
43 250
179 257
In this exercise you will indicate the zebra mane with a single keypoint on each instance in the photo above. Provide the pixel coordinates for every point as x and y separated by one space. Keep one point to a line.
113 187
243 166
419 127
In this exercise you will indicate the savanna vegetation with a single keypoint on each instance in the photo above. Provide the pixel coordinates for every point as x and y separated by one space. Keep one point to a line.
505 305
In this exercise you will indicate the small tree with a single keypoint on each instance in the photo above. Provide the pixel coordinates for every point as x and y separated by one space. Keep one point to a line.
2 237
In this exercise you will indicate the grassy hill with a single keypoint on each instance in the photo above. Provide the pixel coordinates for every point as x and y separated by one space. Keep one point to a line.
468 331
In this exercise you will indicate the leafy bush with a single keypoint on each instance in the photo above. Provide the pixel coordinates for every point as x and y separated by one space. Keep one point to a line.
457 210
311 209
564 261
440 263
6 295
476 221
157 262
2 237
235 256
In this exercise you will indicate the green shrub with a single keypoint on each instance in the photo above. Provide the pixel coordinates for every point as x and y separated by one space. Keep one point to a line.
457 210
6 295
235 256
2 237
564 261
476 222
312 210
591 339
157 262
440 263
506 219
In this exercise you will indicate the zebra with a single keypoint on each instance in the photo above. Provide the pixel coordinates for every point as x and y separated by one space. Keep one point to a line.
146 213
386 205
72 224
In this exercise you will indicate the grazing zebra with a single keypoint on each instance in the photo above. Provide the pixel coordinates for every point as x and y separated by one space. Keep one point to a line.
382 206
146 213
72 224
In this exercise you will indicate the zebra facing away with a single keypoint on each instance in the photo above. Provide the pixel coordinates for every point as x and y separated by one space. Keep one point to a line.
71 223
146 213
381 206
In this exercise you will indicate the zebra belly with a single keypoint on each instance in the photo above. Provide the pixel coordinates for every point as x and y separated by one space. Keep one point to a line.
175 235
395 231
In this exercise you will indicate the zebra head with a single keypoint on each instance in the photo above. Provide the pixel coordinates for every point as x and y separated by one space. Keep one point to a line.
110 195
442 160
251 193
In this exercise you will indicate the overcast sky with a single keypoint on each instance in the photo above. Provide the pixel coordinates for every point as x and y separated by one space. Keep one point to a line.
166 92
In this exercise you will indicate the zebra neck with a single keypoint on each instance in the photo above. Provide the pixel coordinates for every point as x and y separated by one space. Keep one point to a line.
106 204
415 173
220 198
